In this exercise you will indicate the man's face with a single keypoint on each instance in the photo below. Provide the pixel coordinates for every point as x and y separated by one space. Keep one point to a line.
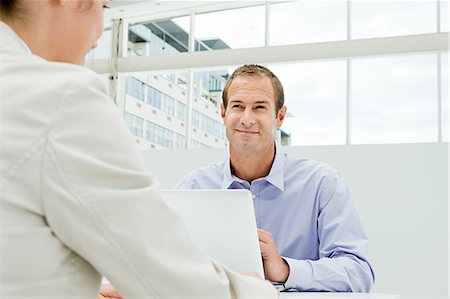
250 118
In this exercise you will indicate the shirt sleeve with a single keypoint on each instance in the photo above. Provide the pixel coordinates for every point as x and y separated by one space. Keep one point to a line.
101 204
343 251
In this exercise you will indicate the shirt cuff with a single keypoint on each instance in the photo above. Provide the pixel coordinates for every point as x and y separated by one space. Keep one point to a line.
300 274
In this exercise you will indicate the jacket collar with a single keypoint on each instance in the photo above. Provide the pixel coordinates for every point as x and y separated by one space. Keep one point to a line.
10 40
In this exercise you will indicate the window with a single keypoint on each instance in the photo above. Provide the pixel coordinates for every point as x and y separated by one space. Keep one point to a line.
195 118
180 110
308 21
167 104
135 124
394 99
159 135
444 15
390 18
180 141
197 144
135 88
154 97
315 96
215 31
158 38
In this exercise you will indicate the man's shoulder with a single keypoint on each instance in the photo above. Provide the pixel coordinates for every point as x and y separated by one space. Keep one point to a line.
308 165
206 177
319 177
212 169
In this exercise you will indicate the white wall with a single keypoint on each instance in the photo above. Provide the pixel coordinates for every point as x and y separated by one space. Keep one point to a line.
402 195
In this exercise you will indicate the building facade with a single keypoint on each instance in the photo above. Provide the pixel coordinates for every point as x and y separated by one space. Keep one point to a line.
156 104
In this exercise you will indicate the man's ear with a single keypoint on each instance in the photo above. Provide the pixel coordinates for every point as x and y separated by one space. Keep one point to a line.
222 110
280 116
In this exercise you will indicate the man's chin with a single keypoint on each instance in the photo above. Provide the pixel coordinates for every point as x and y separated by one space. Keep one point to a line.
246 146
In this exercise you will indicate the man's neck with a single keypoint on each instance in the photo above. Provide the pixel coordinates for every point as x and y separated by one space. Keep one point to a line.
249 166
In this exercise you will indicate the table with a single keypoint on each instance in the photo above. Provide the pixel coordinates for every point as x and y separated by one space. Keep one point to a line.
326 295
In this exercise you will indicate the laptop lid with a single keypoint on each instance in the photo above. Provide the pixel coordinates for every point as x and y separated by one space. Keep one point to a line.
223 224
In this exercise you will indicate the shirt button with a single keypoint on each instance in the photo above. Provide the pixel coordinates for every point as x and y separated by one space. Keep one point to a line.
253 196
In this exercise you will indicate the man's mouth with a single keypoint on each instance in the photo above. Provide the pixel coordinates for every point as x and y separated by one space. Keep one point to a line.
244 131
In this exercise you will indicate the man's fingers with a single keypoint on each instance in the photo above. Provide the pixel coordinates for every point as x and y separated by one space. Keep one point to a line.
264 236
266 251
263 246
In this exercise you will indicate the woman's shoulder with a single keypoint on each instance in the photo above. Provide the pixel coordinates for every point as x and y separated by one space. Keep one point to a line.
67 73
33 68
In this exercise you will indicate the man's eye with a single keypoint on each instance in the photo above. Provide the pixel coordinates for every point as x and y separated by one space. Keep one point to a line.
260 107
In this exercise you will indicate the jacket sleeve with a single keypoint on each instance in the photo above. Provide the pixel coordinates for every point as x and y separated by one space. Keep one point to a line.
100 203
343 252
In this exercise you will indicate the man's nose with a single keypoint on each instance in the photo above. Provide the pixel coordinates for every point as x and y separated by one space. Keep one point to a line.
248 118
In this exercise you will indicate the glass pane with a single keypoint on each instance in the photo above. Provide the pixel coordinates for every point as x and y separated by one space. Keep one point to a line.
156 109
307 22
159 100
444 5
207 126
315 97
444 95
390 18
158 38
236 28
394 99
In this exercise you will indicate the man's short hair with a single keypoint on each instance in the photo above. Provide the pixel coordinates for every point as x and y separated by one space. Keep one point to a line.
255 70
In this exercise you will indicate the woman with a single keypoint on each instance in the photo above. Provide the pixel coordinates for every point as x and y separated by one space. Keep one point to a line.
76 203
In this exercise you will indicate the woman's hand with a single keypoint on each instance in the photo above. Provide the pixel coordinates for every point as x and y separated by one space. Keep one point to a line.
107 291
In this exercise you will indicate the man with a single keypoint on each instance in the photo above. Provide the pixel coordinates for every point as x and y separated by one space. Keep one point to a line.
310 234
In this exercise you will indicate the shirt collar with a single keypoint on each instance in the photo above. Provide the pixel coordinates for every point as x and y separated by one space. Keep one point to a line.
9 39
228 177
275 176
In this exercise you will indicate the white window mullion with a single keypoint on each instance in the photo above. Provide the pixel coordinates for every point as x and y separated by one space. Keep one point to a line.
267 24
348 113
190 94
439 97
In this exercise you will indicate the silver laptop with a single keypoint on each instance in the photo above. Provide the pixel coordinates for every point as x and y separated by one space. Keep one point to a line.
223 224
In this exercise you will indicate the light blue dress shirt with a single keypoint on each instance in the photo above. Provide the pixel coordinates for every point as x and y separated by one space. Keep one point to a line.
307 207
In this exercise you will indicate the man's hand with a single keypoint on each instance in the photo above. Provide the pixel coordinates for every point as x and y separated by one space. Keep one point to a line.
107 291
275 267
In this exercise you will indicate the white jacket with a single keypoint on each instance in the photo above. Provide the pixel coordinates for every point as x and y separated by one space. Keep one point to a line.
76 202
